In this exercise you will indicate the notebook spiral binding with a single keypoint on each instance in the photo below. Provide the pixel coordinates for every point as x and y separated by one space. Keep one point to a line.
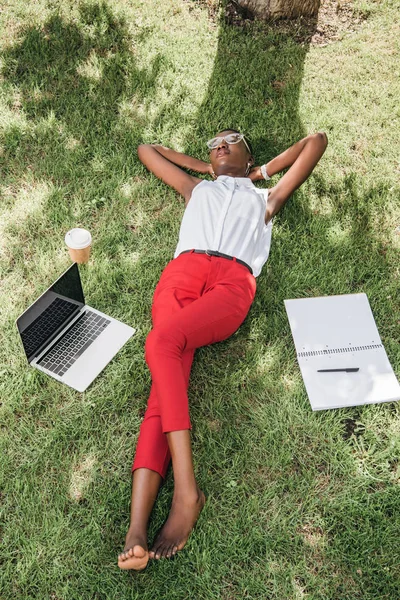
338 350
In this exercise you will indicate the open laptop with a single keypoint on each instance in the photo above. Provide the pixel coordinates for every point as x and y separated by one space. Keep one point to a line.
67 339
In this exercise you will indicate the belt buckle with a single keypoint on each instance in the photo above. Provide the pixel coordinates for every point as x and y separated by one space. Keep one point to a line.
207 252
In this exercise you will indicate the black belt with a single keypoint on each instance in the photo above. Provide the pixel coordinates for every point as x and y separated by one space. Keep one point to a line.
220 255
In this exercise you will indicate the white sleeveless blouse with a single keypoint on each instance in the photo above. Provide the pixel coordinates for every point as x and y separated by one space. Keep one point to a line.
228 215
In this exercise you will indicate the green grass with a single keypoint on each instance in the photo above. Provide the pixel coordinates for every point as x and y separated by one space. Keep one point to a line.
300 505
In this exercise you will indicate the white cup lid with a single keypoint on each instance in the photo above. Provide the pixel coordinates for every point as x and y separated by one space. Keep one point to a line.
78 238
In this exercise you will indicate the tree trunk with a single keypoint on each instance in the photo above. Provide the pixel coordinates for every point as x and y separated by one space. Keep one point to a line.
277 9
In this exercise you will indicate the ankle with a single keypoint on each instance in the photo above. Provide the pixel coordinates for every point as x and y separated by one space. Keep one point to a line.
137 529
187 496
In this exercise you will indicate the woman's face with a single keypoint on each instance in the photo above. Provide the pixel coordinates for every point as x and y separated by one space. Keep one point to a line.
230 159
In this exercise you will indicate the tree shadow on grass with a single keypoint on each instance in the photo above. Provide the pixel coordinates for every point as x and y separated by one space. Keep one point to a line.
78 85
79 72
331 238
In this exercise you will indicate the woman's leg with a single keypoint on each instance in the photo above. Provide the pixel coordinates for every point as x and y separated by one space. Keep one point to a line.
152 453
144 492
187 502
149 469
211 318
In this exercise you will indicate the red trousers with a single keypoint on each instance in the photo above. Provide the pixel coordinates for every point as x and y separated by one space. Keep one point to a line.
199 300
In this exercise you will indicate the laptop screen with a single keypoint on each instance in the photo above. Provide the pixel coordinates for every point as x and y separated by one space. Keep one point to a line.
42 321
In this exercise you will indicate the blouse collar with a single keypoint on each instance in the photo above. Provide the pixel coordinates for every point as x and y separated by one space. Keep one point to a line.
231 181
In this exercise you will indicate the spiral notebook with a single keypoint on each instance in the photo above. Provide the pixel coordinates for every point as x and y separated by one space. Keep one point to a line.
334 333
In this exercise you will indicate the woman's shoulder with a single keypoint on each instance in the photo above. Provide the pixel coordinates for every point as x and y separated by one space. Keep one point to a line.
200 189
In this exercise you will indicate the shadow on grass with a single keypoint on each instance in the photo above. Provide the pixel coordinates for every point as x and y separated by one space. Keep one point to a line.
78 73
77 83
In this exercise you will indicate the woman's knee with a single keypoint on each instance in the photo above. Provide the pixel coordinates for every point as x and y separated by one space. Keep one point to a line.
163 341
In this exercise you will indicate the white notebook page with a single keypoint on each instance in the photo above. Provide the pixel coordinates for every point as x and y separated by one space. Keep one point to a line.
338 332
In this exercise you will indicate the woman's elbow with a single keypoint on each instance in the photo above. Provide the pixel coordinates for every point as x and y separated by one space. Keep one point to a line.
143 151
142 148
322 138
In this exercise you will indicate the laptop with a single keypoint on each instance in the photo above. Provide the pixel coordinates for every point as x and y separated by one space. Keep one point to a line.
67 339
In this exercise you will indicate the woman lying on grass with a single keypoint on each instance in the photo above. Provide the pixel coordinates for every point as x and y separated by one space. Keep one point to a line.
203 296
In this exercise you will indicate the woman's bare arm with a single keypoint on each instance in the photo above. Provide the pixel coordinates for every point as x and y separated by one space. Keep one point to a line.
183 160
301 158
165 164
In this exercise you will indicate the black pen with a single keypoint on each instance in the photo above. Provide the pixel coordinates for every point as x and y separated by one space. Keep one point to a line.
348 370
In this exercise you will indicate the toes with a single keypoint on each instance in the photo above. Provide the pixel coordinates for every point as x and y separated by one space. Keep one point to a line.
135 552
156 551
163 550
181 545
135 558
135 564
154 548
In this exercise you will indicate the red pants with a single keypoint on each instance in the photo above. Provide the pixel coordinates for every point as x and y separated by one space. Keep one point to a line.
199 300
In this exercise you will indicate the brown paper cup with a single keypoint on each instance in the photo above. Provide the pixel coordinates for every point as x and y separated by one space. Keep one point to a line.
79 256
79 243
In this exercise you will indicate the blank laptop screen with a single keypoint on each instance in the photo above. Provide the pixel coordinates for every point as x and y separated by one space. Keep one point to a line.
42 321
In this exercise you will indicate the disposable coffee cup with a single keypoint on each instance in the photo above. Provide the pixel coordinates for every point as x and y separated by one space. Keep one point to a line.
79 243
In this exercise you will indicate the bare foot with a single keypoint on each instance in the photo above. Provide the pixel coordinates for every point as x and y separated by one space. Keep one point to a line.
135 555
176 530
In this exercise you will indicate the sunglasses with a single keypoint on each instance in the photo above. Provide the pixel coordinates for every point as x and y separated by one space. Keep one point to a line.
231 138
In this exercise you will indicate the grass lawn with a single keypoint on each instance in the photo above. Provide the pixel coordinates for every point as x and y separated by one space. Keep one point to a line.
301 505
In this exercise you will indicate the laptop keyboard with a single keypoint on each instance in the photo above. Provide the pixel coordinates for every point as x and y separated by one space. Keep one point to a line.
44 326
74 343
